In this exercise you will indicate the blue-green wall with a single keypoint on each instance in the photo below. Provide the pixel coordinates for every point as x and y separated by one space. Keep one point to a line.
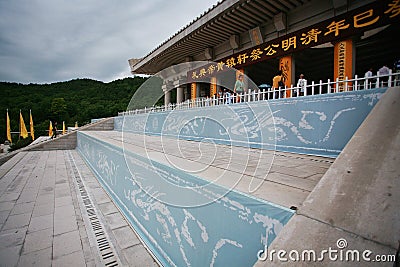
228 228
317 125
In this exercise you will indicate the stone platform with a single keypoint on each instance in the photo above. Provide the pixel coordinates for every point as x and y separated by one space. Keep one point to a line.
282 178
53 211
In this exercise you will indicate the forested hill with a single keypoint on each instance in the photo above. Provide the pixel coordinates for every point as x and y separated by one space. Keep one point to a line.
72 101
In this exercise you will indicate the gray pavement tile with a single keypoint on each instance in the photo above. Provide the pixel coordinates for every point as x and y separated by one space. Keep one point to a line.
46 190
12 238
64 225
108 208
9 197
293 171
292 181
62 192
138 256
40 258
61 181
317 169
90 263
44 199
27 196
8 205
92 185
88 252
101 197
63 201
23 208
64 211
66 243
63 187
44 209
9 256
126 237
40 223
115 220
75 259
277 193
3 216
315 177
38 240
17 221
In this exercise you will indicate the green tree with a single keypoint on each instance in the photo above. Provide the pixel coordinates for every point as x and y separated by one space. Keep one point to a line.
59 109
77 100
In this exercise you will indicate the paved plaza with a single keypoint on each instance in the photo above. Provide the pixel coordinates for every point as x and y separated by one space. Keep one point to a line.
53 211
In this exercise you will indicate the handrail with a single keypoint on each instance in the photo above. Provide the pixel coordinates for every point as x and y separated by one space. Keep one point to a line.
329 87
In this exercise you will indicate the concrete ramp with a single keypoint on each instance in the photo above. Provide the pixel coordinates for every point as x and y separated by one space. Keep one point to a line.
354 209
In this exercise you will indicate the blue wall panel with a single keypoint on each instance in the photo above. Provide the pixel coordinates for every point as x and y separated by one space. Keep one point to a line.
228 230
317 125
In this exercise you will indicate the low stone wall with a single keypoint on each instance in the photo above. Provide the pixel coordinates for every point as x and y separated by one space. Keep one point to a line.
318 125
183 219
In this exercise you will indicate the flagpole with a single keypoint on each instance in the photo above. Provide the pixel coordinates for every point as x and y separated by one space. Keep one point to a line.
19 136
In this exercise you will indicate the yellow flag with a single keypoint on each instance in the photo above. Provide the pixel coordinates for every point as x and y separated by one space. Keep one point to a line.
8 128
23 131
63 132
51 130
31 126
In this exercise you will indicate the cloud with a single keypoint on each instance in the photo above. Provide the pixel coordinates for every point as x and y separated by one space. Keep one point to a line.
43 41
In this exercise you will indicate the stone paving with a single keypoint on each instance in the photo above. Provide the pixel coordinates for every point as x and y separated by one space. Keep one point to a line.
43 221
53 211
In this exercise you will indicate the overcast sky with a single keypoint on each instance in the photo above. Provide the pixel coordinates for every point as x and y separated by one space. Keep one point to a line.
45 41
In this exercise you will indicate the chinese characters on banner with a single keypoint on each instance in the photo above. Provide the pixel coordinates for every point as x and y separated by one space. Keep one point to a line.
368 17
285 65
343 67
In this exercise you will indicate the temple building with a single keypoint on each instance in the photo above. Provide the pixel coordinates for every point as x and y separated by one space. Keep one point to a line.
324 39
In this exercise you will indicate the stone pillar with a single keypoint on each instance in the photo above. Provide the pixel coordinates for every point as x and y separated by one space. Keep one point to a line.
167 98
179 94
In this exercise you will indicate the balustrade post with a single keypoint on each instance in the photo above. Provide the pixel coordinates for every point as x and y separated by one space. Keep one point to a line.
312 88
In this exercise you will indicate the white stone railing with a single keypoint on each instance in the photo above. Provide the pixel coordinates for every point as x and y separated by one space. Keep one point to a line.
329 87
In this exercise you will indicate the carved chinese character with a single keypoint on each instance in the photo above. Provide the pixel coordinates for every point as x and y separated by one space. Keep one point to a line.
202 72
270 49
335 27
255 54
230 62
241 59
394 8
311 35
360 20
287 43
211 69
220 66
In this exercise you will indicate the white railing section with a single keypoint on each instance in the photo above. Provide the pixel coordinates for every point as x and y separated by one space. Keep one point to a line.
329 87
